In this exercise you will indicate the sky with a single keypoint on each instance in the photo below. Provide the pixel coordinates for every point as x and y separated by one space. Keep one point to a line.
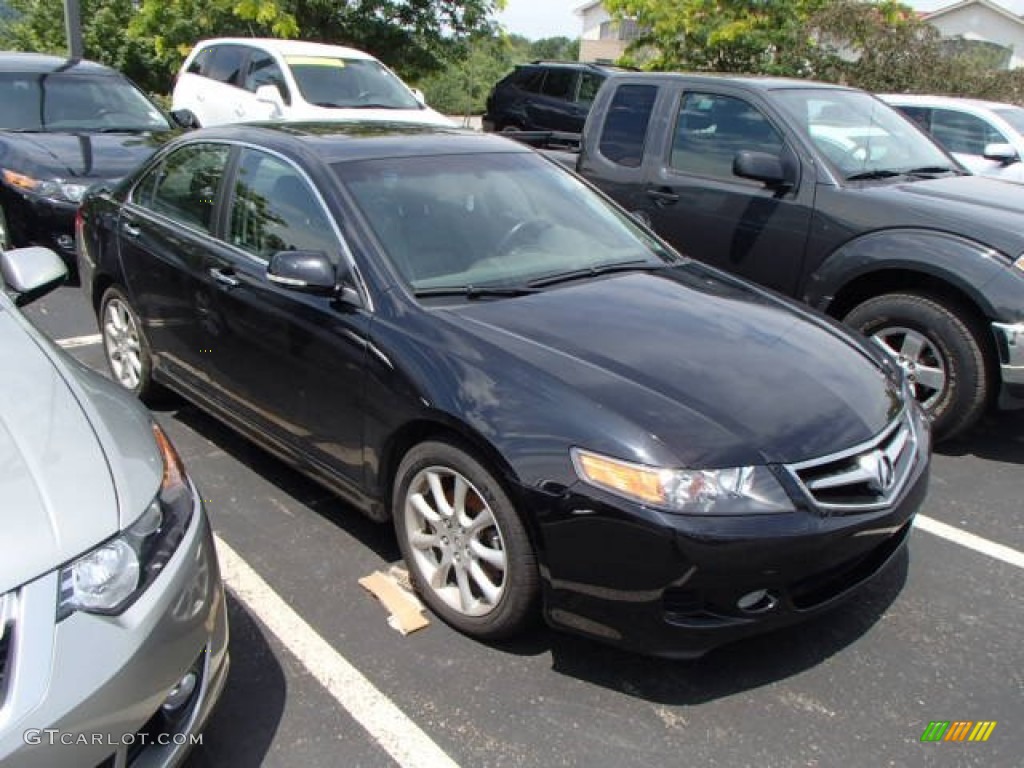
551 18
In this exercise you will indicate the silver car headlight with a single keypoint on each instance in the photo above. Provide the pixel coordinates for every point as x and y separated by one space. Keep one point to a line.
1019 263
108 579
734 491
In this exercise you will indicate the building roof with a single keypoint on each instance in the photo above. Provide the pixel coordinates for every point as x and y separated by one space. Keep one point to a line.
586 7
994 7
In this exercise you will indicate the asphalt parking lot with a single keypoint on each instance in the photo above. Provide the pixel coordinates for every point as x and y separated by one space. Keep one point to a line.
320 679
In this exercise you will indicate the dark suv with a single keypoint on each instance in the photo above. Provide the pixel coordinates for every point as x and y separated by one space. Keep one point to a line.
545 96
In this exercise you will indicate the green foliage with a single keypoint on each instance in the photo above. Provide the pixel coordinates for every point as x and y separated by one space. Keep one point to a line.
148 39
769 36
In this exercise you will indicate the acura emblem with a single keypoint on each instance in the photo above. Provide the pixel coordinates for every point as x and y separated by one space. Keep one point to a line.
880 474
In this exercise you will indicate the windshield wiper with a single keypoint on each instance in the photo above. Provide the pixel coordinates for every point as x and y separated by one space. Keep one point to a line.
597 269
931 170
878 173
475 292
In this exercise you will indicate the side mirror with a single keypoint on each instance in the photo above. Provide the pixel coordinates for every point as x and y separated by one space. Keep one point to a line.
269 94
759 166
419 96
185 118
30 273
309 272
1001 153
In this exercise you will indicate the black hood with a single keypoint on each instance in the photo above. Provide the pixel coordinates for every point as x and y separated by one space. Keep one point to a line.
715 370
982 209
84 156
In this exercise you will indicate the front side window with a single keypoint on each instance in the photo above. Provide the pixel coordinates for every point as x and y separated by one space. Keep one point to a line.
961 132
263 70
712 128
490 220
625 126
275 210
72 102
184 186
335 82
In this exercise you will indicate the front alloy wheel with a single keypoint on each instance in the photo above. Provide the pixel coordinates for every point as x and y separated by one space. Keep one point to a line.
126 349
468 554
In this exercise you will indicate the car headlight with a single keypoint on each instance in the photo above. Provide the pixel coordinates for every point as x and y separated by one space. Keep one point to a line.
111 577
732 491
1019 263
54 189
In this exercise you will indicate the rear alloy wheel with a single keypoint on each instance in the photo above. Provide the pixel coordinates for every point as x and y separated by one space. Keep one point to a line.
126 349
939 351
468 554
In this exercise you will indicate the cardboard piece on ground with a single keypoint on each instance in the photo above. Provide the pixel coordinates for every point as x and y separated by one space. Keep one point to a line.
405 609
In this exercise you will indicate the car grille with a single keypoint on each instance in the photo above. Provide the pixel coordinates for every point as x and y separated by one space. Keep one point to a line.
863 478
6 641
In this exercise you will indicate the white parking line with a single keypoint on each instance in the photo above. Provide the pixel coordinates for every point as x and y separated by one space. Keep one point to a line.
80 341
969 540
399 736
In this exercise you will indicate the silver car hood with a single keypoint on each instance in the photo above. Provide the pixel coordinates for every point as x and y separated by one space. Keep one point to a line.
60 492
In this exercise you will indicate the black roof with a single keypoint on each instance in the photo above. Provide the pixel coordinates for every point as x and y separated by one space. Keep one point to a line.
751 82
12 61
354 140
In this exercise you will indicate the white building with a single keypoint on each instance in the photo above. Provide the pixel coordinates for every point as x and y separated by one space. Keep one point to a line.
984 23
603 39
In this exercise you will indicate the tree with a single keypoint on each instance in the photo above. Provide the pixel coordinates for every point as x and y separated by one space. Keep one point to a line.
769 36
148 39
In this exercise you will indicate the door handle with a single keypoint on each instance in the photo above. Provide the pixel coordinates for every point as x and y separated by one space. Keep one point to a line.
130 229
240 110
663 197
224 277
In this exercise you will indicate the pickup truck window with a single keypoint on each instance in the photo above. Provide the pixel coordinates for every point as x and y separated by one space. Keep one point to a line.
712 128
625 126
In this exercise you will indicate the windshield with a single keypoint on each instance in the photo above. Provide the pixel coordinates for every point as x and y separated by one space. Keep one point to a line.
328 81
861 136
1014 116
487 221
57 101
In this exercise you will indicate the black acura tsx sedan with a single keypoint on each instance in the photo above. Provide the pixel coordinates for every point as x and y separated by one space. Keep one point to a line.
558 413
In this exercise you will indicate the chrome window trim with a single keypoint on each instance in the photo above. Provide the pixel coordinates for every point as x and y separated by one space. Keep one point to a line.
346 252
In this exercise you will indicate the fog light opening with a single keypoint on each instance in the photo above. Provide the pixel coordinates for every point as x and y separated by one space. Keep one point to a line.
180 693
758 601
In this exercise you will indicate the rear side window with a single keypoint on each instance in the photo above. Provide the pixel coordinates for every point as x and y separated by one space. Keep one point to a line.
184 186
559 83
201 62
625 125
226 64
275 209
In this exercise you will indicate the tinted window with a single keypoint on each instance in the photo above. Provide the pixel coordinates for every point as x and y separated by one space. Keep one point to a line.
200 62
589 85
531 80
920 115
711 129
226 64
1013 115
263 70
625 125
961 132
184 186
559 83
275 210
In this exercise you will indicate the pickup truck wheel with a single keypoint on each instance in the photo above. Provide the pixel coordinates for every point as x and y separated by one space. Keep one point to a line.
940 351
468 554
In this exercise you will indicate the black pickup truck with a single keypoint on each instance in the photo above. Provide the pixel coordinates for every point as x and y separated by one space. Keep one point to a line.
826 194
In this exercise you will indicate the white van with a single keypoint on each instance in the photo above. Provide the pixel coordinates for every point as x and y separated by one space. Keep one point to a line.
238 80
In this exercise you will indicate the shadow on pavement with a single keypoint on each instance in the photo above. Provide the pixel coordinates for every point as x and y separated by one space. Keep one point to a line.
728 670
999 436
241 728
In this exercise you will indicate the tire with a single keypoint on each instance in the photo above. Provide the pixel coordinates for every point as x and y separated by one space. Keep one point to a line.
511 128
125 346
940 350
5 232
477 572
